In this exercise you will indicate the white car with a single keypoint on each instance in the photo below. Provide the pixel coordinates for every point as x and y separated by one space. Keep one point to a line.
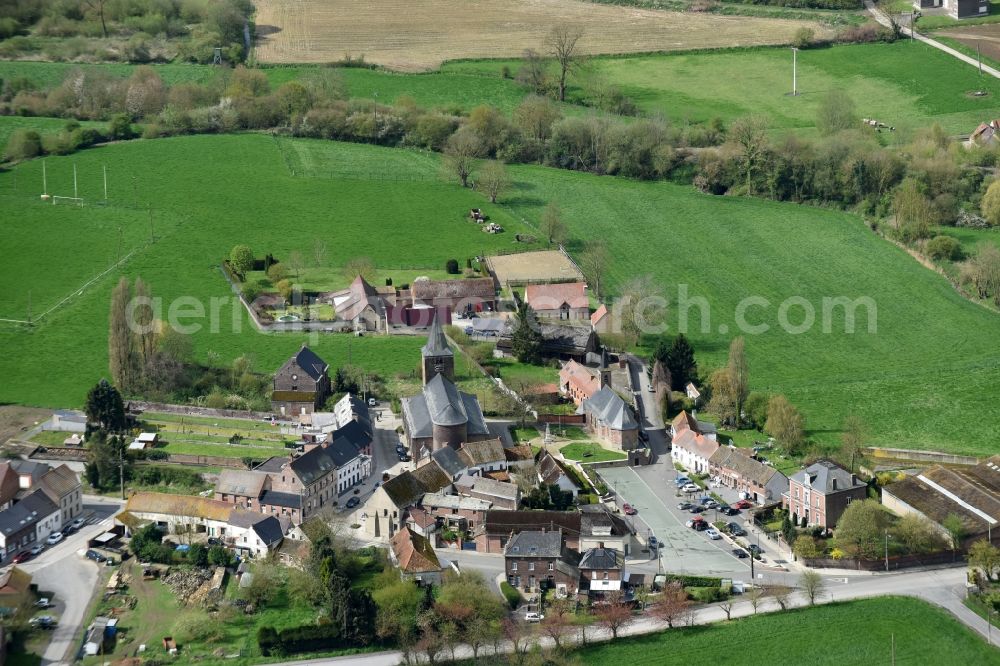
77 523
44 602
712 534
533 617
54 538
690 488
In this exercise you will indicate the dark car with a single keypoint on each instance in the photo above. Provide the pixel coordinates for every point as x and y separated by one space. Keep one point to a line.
353 502
404 457
212 541
69 529
684 506
740 553
696 509
700 525
23 556
755 549
735 529
729 510
94 555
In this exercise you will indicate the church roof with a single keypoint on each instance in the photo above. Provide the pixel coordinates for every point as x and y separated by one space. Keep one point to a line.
437 344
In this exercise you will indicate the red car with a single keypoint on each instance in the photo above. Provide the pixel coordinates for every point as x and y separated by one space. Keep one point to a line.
23 556
629 509
743 504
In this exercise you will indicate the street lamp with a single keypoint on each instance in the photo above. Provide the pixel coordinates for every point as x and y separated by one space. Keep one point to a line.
887 550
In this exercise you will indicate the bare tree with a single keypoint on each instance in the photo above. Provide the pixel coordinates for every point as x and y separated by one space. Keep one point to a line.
782 596
296 261
552 225
750 134
557 622
642 307
673 606
739 375
493 179
460 155
756 597
320 252
561 44
519 642
614 614
727 607
852 438
812 585
121 343
532 72
594 263
98 6
362 266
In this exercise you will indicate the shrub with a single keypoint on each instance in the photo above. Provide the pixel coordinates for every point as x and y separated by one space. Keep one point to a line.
452 267
512 596
120 128
944 247
23 145
694 581
803 38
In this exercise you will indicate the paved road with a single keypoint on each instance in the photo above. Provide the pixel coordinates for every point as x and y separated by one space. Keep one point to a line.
881 17
649 410
491 565
62 572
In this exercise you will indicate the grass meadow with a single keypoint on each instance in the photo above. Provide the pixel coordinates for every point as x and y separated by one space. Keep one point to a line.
865 631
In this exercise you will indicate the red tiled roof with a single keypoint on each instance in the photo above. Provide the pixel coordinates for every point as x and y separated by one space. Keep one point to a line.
413 552
553 296
598 315
580 377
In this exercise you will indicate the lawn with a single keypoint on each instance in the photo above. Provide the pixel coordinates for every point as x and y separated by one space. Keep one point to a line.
50 438
910 380
515 373
589 452
856 632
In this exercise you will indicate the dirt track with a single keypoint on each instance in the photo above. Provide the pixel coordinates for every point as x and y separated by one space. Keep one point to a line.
986 36
420 34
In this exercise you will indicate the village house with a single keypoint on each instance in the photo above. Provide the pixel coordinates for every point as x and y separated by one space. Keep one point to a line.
599 528
566 301
484 456
9 485
360 305
455 512
32 519
301 385
501 494
972 493
819 494
242 488
593 526
460 296
385 510
414 555
601 321
579 382
29 474
15 592
313 476
62 486
611 418
734 468
693 451
684 422
601 571
536 560
956 9
551 473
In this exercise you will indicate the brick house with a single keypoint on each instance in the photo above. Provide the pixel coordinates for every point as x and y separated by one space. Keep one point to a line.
579 382
301 385
415 557
734 468
601 571
312 477
534 560
821 492
62 485
566 301
501 494
601 320
461 514
385 511
610 418
591 527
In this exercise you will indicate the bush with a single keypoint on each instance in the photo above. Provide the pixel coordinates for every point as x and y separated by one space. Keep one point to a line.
120 128
944 247
23 145
803 38
307 638
512 596
694 581
707 595
452 267
219 556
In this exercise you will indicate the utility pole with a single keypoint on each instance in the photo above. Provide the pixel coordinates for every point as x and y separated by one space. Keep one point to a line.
45 179
795 72
979 57
75 194
105 182
121 469
893 639
375 118
152 236
887 550
29 306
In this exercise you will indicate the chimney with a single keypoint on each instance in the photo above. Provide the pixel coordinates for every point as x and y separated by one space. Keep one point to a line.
854 479
835 484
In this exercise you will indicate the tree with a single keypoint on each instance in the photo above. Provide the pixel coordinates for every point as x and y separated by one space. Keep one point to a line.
122 360
750 135
990 205
23 145
642 307
493 179
812 585
106 465
142 317
784 423
614 614
535 117
985 556
241 260
755 595
561 44
782 596
557 622
956 530
98 6
265 582
461 152
722 404
296 262
320 252
913 211
861 529
984 271
918 534
552 226
738 376
526 341
836 113
360 266
944 247
727 607
852 439
105 407
673 606
806 547
398 604
680 363
594 263
532 72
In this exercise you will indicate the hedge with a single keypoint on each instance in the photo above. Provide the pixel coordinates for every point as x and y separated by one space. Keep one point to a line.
694 581
512 596
305 638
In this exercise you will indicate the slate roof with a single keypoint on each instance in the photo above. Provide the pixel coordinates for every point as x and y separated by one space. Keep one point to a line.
741 464
269 530
409 487
530 543
594 517
245 483
33 507
472 288
573 339
486 486
413 552
341 451
441 403
437 343
821 475
611 409
313 464
30 468
59 482
449 461
601 559
482 452
542 297
309 362
497 327
277 498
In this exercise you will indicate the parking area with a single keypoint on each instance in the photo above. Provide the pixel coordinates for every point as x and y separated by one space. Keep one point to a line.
651 491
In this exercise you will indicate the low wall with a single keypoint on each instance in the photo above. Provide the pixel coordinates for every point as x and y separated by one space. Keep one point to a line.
204 461
921 456
194 410
564 419
895 563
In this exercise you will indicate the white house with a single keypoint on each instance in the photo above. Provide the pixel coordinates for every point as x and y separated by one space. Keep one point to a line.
693 451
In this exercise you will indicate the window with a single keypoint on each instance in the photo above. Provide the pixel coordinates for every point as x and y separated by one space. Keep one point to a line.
552 566
605 575
513 566
531 566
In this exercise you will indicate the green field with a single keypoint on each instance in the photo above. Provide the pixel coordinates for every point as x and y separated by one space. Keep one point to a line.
10 124
853 633
911 380
589 452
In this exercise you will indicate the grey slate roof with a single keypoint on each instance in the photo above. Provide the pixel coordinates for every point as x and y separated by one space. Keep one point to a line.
486 486
313 464
27 512
341 451
437 344
449 461
821 475
310 363
355 433
441 403
601 558
277 498
269 530
244 483
535 544
610 408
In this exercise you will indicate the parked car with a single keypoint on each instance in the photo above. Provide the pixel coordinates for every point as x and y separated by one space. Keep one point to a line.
700 525
653 542
54 538
403 457
755 549
729 510
736 530
44 602
372 402
743 504
37 548
682 480
740 553
67 530
400 449
696 509
22 557
684 506
629 509
43 621
77 523
690 488
94 555
353 502
212 541
713 533
533 617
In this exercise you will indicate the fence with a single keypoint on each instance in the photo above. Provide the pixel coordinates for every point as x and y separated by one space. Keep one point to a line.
193 410
922 456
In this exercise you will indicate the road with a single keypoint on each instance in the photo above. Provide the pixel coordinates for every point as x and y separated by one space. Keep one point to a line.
884 20
491 565
69 579
649 412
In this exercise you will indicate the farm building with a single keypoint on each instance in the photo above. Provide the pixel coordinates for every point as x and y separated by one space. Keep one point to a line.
565 301
462 296
560 342
301 384
971 493
523 268
601 320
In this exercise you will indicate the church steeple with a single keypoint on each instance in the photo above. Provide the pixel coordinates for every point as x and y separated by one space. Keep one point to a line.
437 356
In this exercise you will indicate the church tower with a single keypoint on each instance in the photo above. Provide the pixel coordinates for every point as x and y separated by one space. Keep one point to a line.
438 358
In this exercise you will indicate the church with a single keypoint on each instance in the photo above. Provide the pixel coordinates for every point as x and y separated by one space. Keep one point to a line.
440 415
